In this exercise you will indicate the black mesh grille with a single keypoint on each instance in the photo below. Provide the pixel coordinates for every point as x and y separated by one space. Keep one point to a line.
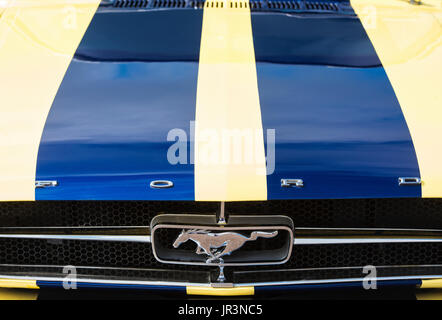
352 255
237 276
327 274
164 274
351 213
343 256
82 253
78 253
94 213
138 255
395 213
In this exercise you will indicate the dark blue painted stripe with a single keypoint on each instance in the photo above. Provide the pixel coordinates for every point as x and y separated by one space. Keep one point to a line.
155 35
338 285
314 39
258 289
339 128
84 285
106 134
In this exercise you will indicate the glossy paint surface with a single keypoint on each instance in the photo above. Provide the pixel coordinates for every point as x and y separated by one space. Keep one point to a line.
338 40
339 128
228 101
34 57
408 39
157 35
106 134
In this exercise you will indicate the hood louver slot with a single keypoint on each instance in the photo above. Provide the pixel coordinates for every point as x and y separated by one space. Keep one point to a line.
169 4
284 5
131 3
197 4
321 6
255 5
303 6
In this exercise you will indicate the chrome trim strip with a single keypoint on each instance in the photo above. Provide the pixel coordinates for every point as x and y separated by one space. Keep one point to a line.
78 227
284 283
312 236
299 183
45 184
116 238
103 281
367 229
185 284
302 236
223 228
412 181
161 184
313 241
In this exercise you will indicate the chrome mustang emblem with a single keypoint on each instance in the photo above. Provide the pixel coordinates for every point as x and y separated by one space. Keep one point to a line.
217 245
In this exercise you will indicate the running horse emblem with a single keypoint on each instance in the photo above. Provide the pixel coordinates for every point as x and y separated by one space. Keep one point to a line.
210 243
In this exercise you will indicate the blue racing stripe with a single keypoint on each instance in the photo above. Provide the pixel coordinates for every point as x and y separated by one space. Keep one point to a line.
338 285
338 125
84 285
106 134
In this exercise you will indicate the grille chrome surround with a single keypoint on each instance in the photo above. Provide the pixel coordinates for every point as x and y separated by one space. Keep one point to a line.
329 236
237 224
302 236
126 258
304 277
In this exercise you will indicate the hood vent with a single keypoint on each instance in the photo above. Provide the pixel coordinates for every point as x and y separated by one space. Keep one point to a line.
169 4
284 5
130 3
323 6
303 6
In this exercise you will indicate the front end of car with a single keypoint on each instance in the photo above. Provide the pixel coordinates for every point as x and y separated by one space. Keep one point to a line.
221 147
